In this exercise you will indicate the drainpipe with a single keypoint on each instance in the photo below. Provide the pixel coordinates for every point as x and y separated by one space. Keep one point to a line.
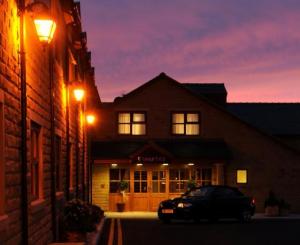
67 190
77 150
52 141
24 194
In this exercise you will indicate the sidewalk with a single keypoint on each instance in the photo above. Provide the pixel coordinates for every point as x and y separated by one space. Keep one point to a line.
153 215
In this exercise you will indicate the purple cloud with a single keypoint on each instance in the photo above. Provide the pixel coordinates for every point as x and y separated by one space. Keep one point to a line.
249 45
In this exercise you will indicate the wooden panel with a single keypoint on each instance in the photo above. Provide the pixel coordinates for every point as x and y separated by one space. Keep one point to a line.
101 186
141 202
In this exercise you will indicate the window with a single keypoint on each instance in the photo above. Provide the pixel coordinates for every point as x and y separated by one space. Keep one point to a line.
115 176
241 176
203 176
2 161
159 181
140 181
186 123
178 180
57 160
36 161
132 123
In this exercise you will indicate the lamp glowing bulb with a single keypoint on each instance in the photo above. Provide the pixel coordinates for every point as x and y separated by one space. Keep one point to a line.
78 94
45 29
90 119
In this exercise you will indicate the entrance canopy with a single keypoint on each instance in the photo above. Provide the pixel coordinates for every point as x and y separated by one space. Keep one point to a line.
160 150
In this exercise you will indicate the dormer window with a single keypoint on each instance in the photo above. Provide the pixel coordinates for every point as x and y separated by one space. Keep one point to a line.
132 123
186 123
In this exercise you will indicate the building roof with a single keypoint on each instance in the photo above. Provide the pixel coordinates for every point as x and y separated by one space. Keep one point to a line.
273 118
206 88
179 149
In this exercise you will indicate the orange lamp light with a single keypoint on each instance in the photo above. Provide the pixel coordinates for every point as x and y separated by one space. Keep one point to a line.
45 29
79 94
90 119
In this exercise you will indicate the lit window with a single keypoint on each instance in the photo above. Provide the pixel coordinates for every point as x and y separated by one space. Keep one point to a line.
2 161
133 123
186 123
178 180
241 176
36 162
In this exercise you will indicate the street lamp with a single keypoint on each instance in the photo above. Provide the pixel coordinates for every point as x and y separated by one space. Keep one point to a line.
45 26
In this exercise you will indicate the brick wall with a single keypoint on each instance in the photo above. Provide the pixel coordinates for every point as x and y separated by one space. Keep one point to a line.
38 110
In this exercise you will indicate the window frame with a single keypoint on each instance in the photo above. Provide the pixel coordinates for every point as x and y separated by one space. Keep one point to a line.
119 178
36 164
181 181
131 123
140 181
185 123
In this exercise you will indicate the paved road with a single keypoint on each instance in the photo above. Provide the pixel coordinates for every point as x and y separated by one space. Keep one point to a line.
153 232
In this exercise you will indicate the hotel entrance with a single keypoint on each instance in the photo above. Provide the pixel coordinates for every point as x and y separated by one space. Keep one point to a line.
151 184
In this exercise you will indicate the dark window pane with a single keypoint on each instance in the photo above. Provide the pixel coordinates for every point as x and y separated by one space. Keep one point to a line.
155 175
155 187
136 175
114 174
137 187
144 175
144 186
114 187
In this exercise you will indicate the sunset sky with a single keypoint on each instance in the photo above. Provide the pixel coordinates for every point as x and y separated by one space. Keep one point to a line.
253 46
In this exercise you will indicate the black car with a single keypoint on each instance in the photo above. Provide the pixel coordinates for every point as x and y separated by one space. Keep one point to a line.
208 202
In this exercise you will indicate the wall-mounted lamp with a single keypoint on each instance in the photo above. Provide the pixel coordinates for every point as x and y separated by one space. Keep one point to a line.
44 24
90 119
191 164
139 164
78 94
165 164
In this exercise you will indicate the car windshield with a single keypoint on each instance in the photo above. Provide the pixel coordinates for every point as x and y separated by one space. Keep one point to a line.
199 192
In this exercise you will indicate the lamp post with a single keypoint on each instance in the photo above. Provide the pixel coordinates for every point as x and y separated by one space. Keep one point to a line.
36 9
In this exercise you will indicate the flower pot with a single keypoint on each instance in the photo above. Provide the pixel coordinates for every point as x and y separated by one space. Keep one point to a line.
272 211
120 207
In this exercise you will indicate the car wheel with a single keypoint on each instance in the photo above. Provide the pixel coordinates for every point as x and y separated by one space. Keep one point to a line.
245 216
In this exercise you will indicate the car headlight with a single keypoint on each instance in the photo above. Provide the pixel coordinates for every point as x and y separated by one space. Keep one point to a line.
184 205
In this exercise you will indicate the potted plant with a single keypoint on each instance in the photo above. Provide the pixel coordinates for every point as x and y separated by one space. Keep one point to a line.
191 184
123 186
79 219
272 205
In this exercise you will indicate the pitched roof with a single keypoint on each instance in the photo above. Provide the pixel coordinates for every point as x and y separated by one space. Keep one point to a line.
179 149
273 118
206 88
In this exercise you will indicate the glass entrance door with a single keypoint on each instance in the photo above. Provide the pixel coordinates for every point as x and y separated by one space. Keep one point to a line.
159 188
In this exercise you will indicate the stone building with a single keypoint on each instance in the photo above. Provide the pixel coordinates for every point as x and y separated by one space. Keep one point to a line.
164 134
43 143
